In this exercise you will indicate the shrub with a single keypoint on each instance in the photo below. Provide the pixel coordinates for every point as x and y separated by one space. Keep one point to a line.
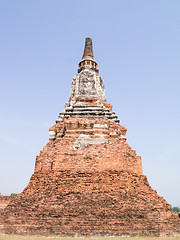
176 209
14 194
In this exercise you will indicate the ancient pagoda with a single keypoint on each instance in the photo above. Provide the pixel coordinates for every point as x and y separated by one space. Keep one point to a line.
87 180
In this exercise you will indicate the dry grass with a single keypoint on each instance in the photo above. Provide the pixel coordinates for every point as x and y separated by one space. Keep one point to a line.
8 237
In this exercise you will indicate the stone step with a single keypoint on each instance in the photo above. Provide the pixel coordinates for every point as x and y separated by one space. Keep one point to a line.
84 109
107 114
86 106
88 111
85 114
114 118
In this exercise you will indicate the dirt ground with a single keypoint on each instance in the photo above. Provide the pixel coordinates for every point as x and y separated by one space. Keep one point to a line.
8 237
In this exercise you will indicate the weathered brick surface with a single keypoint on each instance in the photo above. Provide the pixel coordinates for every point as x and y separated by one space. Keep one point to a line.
4 201
87 179
96 189
96 203
63 152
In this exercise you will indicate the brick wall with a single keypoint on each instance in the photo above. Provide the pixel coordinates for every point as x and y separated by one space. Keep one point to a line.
66 152
98 203
88 181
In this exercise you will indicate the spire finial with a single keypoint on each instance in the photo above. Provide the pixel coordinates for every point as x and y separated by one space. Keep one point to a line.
88 50
87 60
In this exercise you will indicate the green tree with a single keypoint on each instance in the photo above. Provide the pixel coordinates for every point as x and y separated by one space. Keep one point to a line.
176 209
14 194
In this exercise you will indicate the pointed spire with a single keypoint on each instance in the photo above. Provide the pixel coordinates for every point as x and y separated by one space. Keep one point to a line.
87 60
88 49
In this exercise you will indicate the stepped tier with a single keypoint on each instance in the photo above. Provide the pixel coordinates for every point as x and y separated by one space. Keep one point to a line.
87 179
88 144
85 107
98 203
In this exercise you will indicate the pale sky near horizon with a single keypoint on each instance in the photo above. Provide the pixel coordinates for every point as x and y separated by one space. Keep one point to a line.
137 47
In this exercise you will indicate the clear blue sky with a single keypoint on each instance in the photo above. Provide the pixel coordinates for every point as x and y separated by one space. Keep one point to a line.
137 46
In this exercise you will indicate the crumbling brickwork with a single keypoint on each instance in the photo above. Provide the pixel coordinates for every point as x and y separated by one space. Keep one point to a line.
88 144
87 179
4 201
89 188
97 203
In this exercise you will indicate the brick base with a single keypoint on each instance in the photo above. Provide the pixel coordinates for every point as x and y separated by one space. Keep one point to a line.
96 203
88 181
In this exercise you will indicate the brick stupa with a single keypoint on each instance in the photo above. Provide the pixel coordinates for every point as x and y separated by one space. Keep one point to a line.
87 179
